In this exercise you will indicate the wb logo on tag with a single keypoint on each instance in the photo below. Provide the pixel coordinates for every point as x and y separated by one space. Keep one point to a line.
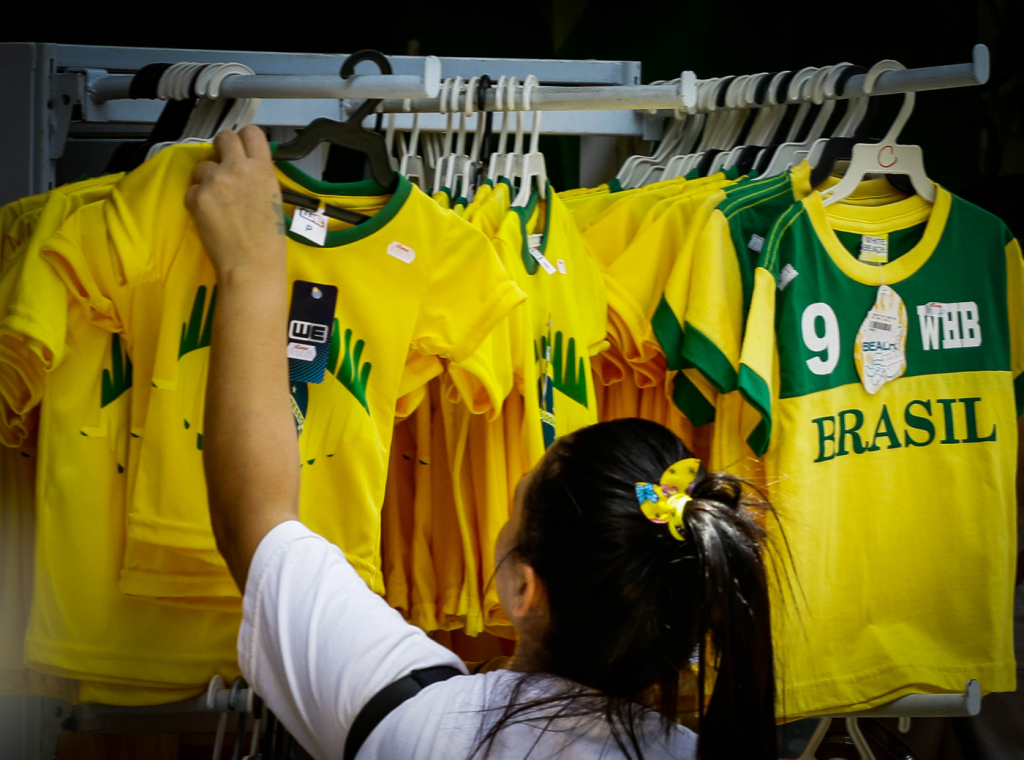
308 331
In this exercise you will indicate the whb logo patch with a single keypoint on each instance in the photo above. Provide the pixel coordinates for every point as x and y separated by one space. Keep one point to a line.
310 322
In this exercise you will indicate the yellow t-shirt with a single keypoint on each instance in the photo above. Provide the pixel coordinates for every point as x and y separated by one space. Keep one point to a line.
80 625
387 303
898 506
561 325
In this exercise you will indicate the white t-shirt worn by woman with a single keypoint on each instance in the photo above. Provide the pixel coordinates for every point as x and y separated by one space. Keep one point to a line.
317 645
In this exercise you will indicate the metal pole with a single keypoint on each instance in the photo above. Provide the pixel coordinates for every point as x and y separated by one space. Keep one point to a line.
302 86
683 96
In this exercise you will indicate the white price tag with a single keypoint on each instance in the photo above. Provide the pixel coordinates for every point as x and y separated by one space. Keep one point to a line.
546 265
401 252
301 351
561 266
881 347
311 225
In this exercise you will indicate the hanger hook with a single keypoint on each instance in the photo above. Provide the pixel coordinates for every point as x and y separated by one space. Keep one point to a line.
908 98
348 68
529 85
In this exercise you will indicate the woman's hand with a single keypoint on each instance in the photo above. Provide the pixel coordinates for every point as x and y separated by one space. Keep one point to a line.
250 452
236 206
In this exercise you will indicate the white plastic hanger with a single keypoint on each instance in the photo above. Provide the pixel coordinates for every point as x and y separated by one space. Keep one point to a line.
533 165
714 126
765 121
848 126
209 117
513 166
791 153
745 99
411 165
735 98
886 156
637 171
624 173
695 124
498 157
456 163
449 87
389 140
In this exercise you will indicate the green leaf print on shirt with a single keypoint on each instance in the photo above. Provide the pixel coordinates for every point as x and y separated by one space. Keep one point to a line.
351 373
569 373
196 333
118 378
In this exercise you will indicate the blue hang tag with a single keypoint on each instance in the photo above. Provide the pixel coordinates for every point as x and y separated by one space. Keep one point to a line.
310 323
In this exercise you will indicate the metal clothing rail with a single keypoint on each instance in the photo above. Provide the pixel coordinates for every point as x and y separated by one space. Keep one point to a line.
683 95
299 86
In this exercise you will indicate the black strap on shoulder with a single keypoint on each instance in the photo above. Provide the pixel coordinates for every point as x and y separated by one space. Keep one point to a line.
387 699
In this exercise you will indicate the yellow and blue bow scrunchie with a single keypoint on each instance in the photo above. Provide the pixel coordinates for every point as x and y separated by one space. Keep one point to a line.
666 501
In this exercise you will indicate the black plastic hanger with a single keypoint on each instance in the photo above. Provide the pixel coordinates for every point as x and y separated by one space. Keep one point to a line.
312 204
351 133
488 116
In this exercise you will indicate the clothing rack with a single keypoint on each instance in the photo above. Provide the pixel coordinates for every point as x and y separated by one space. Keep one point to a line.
66 106
682 95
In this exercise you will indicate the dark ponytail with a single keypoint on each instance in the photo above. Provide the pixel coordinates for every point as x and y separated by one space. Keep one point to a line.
732 620
630 605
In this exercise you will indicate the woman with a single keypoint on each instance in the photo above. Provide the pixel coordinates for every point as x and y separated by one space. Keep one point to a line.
622 559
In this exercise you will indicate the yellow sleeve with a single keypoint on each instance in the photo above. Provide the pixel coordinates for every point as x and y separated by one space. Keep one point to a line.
468 295
419 370
34 306
712 309
758 362
104 251
484 379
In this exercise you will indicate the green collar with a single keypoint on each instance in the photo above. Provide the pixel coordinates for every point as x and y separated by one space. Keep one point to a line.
363 188
524 213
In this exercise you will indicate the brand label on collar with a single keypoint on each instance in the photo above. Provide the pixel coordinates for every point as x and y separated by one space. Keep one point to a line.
311 225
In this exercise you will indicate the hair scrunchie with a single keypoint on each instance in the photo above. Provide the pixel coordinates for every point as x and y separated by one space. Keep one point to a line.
665 502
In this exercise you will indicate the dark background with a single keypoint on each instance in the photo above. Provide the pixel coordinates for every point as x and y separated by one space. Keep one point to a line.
973 138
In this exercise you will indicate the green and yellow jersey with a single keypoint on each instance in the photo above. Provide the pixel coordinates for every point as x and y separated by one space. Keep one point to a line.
898 506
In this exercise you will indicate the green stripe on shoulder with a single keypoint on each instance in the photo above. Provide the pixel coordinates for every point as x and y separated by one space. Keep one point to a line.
703 354
770 252
755 391
1018 393
739 196
669 333
691 402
